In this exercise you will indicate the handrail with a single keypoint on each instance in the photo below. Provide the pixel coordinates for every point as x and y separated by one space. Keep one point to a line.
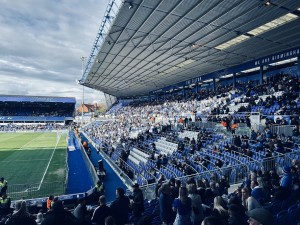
207 170
87 161
111 163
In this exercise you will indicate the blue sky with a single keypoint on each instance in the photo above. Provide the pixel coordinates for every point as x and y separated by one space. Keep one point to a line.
41 43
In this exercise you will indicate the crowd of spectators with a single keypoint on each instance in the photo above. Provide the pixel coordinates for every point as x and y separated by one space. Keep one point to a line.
156 117
259 191
192 202
32 127
197 200
150 118
124 209
44 109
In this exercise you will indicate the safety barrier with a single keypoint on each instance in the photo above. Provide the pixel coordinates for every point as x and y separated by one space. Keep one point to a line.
36 190
287 130
88 162
127 181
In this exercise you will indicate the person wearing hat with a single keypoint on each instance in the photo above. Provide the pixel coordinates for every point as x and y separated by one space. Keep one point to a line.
259 216
137 202
5 202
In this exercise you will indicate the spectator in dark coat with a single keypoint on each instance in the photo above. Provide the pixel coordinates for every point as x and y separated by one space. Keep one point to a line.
137 202
58 216
120 207
236 215
167 215
21 216
80 212
101 212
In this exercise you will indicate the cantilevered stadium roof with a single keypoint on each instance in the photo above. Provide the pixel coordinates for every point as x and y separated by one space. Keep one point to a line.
146 45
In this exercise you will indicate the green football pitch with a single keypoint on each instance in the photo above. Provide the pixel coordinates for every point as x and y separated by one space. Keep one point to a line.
34 164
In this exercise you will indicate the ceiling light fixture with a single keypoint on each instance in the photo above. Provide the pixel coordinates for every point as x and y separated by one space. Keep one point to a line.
130 6
267 2
273 24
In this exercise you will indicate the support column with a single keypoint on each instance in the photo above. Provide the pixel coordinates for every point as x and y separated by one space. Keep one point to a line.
214 84
234 79
261 73
298 67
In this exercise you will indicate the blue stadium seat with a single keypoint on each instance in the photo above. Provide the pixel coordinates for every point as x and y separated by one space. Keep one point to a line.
281 218
276 207
293 215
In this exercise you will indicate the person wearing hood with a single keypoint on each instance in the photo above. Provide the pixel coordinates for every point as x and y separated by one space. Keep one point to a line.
286 180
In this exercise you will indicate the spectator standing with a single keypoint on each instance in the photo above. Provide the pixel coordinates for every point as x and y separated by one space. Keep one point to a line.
110 221
248 201
137 202
5 202
219 209
21 216
3 186
101 212
236 215
80 212
167 215
260 216
286 180
59 216
212 220
258 192
183 207
197 210
49 202
39 218
99 190
120 207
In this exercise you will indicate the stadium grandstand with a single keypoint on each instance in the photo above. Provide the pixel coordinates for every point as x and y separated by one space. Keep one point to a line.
202 125
36 109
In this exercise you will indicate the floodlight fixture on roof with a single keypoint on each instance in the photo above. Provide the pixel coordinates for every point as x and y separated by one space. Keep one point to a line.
207 81
227 75
273 24
232 42
267 2
251 70
284 61
259 30
130 5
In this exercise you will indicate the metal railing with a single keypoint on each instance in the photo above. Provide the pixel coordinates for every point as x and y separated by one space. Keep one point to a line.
127 181
287 130
36 190
88 162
